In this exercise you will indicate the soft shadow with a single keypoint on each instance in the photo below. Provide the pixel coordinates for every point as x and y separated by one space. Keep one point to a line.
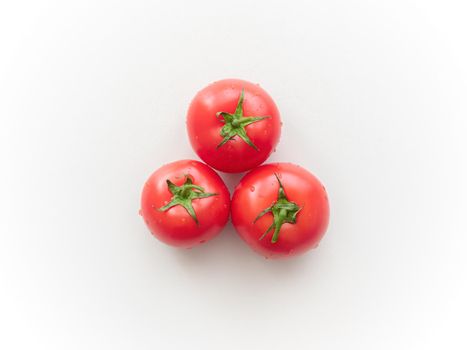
231 180
229 253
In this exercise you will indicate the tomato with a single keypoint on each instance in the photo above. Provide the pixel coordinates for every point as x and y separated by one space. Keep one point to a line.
233 125
185 203
280 210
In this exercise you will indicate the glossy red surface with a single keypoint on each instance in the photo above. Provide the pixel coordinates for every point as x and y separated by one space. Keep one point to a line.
204 127
175 226
258 190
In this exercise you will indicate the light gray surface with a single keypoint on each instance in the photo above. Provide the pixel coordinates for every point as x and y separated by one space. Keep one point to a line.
93 96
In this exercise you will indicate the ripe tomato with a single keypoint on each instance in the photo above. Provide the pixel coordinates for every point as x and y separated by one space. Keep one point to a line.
185 203
233 125
280 210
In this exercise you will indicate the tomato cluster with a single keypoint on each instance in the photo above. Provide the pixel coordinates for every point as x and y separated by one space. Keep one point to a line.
278 209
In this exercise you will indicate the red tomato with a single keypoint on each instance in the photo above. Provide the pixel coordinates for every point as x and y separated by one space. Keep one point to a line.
185 203
280 210
233 125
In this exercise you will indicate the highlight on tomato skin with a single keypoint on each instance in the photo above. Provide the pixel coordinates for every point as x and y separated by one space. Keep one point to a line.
280 210
185 203
233 125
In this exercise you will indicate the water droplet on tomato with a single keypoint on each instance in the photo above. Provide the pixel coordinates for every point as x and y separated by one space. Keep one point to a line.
252 188
166 202
183 219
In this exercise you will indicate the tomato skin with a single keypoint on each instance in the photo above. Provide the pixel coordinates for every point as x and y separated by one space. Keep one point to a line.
175 226
204 127
258 190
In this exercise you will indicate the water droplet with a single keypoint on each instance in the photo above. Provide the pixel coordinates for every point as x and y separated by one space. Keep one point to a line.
183 219
252 188
153 206
226 206
166 202
196 137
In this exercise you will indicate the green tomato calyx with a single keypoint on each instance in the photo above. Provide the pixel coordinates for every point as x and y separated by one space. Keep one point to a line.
184 195
235 124
282 210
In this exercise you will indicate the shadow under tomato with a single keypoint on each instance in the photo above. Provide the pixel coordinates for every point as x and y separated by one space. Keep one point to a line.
227 253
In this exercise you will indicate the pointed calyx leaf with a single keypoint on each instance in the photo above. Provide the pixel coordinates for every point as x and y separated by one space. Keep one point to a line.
283 211
183 195
235 124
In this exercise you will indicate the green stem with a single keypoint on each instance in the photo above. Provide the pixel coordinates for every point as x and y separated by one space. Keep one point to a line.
235 124
283 211
184 195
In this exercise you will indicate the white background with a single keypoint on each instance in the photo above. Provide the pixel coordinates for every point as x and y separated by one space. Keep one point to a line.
93 96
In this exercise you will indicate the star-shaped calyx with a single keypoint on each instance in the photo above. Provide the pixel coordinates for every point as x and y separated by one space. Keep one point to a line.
235 124
282 210
183 195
